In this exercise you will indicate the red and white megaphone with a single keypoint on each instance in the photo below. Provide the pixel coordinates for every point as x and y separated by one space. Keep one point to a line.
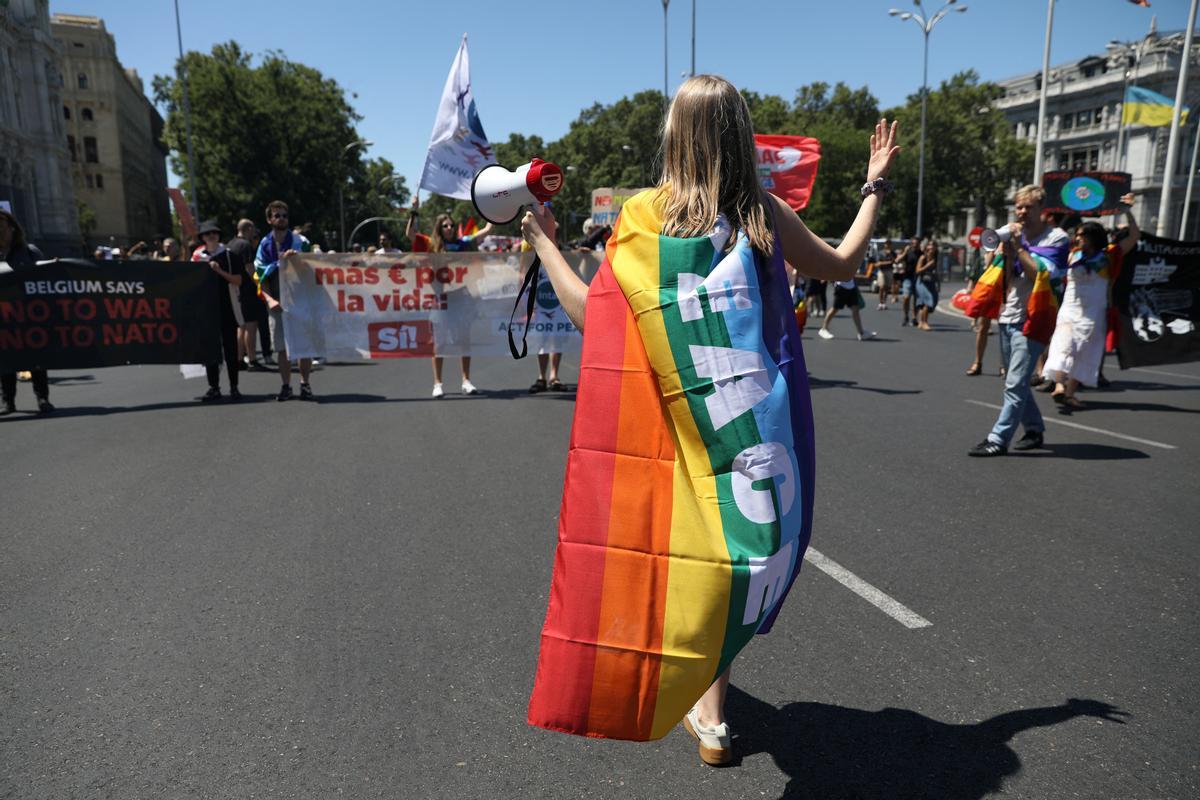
498 193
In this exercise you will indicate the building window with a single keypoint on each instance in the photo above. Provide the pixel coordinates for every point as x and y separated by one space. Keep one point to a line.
99 181
91 153
71 147
1098 115
66 112
1083 119
81 80
90 182
87 114
1068 122
1064 161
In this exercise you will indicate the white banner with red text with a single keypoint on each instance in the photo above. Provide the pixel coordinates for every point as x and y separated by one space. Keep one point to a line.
417 305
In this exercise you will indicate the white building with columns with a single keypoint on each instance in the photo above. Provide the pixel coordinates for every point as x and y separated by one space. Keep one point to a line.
35 166
1083 123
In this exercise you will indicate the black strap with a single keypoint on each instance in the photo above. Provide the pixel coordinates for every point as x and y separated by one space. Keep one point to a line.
528 285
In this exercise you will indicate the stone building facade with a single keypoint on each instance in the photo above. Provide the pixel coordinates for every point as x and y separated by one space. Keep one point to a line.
1083 122
35 166
113 134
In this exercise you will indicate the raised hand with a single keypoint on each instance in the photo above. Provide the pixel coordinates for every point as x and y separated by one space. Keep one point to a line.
883 149
1096 708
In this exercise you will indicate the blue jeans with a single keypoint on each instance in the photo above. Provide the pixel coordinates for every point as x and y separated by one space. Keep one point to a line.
1021 355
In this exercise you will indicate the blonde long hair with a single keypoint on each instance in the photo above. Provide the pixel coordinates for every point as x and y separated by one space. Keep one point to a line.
709 164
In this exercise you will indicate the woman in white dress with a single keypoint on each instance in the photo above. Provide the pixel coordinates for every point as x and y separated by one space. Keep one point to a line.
1077 349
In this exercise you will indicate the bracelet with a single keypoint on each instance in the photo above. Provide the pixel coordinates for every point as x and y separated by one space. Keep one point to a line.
881 186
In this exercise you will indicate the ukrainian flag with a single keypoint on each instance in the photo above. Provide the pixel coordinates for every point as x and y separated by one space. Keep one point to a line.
1144 107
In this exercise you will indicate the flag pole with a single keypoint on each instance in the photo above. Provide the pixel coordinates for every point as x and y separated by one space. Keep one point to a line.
1187 198
1164 203
1040 150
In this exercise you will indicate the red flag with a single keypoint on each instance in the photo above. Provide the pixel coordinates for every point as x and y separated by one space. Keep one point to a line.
787 167
1142 3
187 223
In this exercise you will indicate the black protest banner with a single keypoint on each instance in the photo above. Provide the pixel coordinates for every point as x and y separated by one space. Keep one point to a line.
1157 299
1089 194
74 313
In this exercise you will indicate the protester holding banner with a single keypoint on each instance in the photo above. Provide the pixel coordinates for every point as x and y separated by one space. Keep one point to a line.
1077 349
1034 247
445 239
254 310
18 255
228 269
277 245
648 607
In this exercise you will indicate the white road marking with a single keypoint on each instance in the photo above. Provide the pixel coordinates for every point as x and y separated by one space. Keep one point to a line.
888 605
1164 372
1126 437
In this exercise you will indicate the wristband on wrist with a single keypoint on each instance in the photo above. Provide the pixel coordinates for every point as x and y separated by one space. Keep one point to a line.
880 186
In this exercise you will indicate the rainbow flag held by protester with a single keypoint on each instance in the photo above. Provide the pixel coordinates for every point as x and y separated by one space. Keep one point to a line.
1144 107
1041 310
469 229
687 503
987 295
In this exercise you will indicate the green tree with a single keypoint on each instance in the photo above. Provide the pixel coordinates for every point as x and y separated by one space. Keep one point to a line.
379 192
277 130
972 157
87 223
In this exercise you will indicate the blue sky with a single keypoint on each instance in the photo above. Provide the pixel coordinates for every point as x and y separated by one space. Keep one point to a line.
535 64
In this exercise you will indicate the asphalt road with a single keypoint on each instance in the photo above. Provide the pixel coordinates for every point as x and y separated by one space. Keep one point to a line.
343 598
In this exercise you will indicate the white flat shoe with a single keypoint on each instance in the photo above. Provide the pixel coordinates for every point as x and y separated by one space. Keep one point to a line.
716 745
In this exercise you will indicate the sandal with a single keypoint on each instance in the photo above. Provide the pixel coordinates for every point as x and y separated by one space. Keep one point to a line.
975 369
538 386
1072 402
1059 397
557 386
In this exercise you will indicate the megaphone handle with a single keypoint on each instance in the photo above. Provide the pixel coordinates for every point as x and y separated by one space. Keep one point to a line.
528 285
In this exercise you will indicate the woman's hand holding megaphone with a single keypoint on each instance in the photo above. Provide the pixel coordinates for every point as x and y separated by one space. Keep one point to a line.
539 226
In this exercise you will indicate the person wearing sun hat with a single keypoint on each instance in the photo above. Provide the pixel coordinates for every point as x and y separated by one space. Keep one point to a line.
221 262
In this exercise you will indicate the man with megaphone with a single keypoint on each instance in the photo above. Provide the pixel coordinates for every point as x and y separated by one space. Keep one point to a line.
1027 247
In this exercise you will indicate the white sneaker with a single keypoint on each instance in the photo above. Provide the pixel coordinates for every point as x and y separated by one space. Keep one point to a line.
862 337
824 334
468 387
716 745
437 390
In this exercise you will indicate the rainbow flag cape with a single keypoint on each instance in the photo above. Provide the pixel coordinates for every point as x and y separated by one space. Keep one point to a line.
687 504
1144 107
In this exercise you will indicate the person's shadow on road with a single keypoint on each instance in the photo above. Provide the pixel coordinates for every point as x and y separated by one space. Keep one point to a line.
836 753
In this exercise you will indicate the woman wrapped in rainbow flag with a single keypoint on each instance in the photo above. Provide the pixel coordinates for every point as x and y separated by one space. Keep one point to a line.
687 504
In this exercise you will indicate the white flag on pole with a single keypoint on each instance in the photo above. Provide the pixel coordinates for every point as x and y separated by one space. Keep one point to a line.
458 147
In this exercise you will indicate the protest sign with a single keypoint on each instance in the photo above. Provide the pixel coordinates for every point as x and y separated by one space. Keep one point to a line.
1157 299
607 202
346 306
76 313
787 167
1089 194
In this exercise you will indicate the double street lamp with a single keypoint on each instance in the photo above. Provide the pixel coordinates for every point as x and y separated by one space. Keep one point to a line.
926 24
342 191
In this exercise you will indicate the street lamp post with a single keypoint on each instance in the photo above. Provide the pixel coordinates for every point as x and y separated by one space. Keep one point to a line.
342 192
187 119
665 95
926 24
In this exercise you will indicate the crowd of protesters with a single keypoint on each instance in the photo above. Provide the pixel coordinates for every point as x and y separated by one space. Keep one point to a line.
249 300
